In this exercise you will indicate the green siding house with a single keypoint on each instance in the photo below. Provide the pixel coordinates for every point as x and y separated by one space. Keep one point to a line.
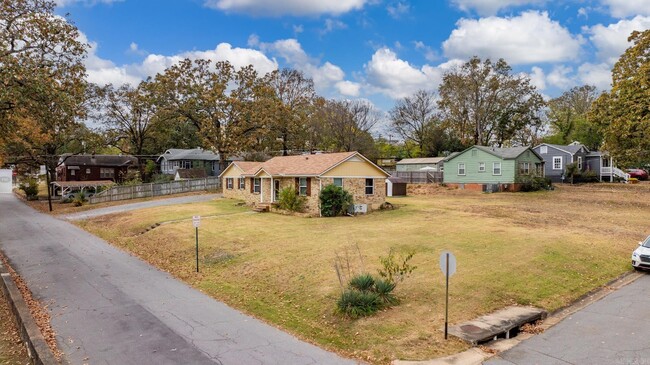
491 169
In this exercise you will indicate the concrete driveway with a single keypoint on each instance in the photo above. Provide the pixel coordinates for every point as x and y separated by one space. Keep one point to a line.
612 331
108 307
133 206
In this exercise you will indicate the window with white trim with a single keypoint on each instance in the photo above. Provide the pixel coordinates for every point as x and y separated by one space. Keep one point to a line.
105 173
257 185
229 183
186 164
557 162
580 163
474 153
338 181
370 186
543 149
242 183
302 186
481 167
496 168
461 169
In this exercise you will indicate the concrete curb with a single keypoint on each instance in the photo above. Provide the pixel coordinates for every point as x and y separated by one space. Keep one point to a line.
37 349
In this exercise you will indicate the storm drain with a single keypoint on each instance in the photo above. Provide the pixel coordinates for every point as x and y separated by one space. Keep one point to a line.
505 323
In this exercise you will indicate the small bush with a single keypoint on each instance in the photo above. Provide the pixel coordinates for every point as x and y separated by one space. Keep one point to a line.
334 201
355 304
384 290
79 200
363 282
533 183
290 200
30 187
396 269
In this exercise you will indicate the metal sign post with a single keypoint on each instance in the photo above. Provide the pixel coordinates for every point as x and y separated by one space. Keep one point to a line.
448 267
196 221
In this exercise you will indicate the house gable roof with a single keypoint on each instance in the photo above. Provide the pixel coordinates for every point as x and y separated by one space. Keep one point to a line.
509 153
571 149
246 167
175 154
98 160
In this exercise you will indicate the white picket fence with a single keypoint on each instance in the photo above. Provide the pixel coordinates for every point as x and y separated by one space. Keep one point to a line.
127 192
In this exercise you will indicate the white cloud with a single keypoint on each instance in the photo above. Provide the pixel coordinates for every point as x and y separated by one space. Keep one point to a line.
491 7
398 10
348 88
611 40
332 25
429 54
561 77
325 76
531 37
599 75
625 8
102 71
537 78
396 78
286 7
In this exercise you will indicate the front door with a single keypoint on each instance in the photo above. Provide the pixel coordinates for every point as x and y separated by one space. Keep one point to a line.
276 190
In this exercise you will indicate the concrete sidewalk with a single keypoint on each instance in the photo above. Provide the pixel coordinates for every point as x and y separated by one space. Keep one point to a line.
108 307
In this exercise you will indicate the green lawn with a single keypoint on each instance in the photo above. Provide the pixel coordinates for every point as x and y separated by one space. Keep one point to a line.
545 249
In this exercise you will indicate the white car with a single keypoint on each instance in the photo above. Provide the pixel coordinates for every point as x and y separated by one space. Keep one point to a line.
641 256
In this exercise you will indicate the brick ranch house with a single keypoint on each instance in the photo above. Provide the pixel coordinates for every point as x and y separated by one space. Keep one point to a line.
261 182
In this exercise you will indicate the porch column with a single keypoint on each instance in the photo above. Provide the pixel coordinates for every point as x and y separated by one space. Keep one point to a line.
272 191
611 169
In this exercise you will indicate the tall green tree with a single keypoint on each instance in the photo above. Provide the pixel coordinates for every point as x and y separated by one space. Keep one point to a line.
567 117
485 103
346 126
623 114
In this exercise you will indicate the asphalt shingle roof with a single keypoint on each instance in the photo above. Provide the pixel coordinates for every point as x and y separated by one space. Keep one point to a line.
505 153
98 160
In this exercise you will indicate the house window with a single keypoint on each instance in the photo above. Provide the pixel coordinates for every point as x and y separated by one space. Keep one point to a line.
72 172
87 171
557 163
580 163
302 186
242 183
370 186
474 153
229 183
338 181
215 166
496 168
257 185
481 167
106 173
543 149
461 169
524 168
186 164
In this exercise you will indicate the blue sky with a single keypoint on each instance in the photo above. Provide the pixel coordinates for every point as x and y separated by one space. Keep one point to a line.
379 50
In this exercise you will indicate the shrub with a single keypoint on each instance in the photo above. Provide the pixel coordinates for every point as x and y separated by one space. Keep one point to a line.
334 201
396 269
290 200
589 176
363 282
384 290
79 200
533 183
355 304
30 188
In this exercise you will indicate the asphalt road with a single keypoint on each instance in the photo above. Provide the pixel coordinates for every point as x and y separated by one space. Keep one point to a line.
108 307
133 206
612 331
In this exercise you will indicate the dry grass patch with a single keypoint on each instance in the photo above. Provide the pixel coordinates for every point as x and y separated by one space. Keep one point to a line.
544 249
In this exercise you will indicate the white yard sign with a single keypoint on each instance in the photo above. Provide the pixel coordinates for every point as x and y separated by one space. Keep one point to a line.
5 181
196 220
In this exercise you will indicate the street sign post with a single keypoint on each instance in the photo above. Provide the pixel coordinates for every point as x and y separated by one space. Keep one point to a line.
448 268
196 221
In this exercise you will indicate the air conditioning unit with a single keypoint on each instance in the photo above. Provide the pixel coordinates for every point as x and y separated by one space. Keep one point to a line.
360 208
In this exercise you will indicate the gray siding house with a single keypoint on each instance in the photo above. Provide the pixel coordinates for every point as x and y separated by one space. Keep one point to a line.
420 164
556 157
197 158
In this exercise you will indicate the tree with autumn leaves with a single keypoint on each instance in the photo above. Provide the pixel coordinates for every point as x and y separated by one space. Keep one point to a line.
623 114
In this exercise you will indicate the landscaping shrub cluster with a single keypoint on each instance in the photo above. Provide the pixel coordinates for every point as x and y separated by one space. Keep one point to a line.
334 201
290 200
534 183
30 187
